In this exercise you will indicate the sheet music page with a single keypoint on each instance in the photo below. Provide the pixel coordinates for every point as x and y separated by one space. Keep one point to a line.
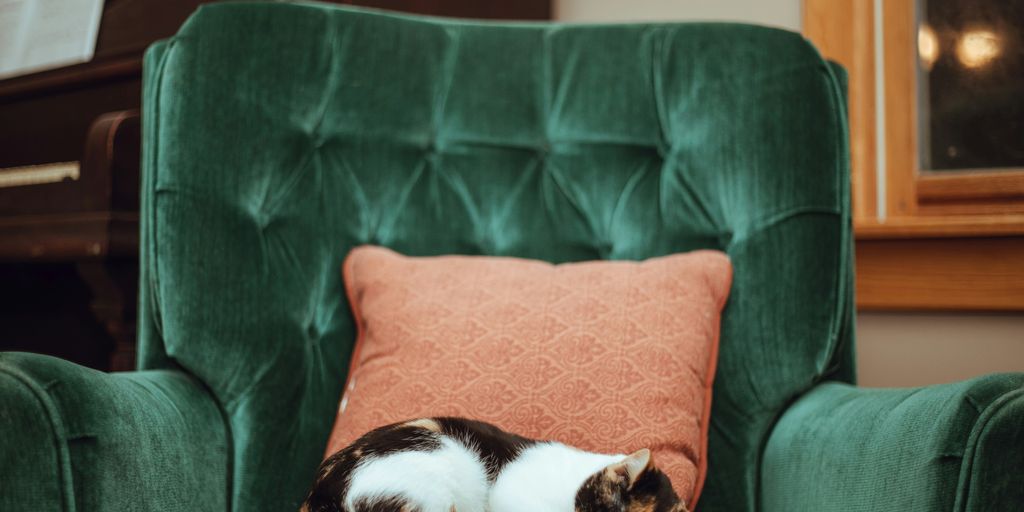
13 21
42 34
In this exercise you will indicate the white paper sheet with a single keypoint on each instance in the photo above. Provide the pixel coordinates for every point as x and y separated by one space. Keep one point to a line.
36 35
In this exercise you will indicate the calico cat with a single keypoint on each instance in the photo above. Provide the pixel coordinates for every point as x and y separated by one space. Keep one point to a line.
460 465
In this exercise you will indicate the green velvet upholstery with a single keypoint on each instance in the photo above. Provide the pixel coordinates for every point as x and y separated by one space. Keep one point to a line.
543 141
278 136
950 447
73 438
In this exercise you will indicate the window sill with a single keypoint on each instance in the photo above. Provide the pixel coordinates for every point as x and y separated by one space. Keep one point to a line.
960 226
941 264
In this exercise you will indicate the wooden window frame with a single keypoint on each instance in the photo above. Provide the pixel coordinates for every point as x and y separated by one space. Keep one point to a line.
931 241
917 192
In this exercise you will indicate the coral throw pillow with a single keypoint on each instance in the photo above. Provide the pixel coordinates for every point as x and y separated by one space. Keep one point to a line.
607 356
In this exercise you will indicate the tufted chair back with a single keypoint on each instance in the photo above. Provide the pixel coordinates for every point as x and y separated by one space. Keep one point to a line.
278 136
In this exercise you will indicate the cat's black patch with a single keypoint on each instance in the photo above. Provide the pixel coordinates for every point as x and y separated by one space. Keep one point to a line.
332 478
602 492
495 446
606 491
655 488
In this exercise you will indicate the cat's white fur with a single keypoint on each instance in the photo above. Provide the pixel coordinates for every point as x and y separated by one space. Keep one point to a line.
457 479
543 478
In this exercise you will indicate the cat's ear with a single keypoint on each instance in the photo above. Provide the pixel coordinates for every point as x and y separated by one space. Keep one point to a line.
634 465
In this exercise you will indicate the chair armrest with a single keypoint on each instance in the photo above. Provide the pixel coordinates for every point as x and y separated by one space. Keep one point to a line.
948 447
72 438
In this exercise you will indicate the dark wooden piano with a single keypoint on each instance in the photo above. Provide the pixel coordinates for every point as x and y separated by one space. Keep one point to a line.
69 183
69 189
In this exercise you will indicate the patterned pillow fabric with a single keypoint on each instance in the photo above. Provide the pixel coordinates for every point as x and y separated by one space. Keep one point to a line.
607 356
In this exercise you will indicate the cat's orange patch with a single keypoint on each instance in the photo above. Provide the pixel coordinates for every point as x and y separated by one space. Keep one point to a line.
425 423
644 506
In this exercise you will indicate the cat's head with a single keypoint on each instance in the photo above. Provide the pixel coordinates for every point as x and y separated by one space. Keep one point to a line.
632 485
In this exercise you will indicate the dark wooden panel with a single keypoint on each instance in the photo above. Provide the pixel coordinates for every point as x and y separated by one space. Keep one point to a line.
68 251
517 10
45 308
69 237
941 274
129 26
54 128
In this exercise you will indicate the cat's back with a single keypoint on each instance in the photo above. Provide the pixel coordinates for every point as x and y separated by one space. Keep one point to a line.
449 477
425 465
545 477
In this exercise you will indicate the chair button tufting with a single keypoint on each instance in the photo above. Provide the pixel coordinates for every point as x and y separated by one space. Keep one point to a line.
431 148
543 151
432 157
662 149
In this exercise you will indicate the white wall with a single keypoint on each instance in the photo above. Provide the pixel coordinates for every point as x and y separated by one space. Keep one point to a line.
779 13
902 349
906 349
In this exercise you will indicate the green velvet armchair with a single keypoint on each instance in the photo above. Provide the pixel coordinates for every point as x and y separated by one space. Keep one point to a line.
278 136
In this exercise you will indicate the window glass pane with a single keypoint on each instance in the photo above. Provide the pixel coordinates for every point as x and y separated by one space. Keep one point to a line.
971 84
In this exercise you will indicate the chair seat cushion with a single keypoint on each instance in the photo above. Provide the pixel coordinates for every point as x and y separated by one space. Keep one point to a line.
608 356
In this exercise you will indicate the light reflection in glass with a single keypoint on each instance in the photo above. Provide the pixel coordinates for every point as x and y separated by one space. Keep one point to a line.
977 48
927 46
970 84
